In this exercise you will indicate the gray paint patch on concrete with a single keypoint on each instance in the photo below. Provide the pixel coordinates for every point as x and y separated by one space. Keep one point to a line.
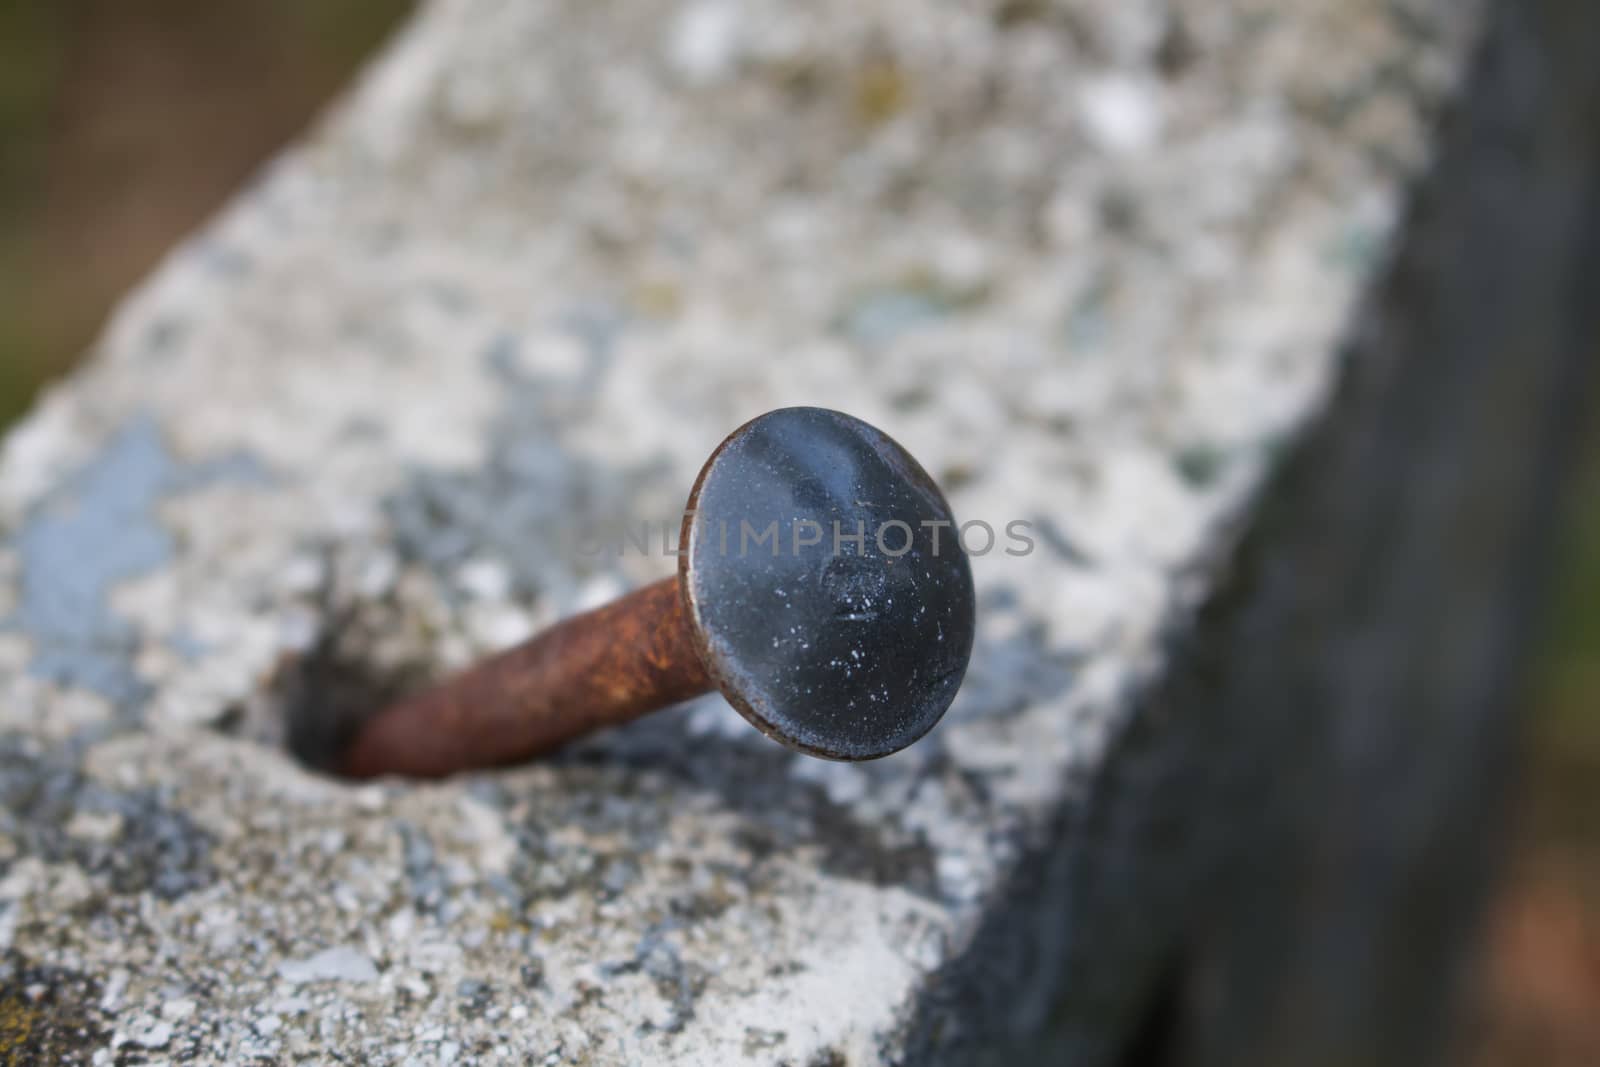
127 841
100 529
533 502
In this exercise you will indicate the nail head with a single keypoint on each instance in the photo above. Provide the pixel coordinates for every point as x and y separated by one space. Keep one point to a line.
839 648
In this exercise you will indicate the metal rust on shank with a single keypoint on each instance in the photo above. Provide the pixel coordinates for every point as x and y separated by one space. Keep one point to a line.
602 668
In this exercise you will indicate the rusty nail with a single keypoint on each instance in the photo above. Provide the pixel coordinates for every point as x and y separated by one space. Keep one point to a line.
846 635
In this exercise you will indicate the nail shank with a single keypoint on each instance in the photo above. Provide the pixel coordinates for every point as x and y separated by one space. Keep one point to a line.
595 670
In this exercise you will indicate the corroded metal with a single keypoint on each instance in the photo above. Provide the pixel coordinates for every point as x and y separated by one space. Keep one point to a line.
822 589
602 668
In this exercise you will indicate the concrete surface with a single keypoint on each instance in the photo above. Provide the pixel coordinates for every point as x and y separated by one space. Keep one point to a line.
1090 262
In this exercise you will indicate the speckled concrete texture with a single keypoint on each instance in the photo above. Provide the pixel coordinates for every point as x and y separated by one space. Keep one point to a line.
1088 262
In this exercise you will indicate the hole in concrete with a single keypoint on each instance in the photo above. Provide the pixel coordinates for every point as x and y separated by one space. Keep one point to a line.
325 694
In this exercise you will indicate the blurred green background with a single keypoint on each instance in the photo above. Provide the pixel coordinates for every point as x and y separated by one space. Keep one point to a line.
123 125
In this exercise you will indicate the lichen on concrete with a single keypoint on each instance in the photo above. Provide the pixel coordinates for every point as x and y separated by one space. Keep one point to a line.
1090 263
